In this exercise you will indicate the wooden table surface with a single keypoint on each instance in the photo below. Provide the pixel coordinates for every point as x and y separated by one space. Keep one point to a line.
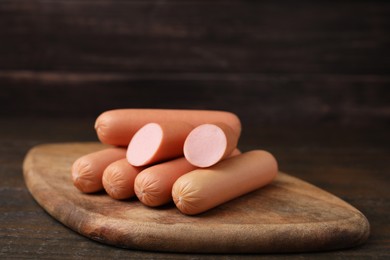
350 163
309 80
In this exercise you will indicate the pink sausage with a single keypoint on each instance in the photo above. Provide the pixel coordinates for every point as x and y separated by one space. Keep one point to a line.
87 171
117 127
208 144
203 189
156 142
153 186
118 179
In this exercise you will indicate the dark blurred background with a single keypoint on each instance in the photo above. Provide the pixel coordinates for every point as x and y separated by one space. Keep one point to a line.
310 81
271 62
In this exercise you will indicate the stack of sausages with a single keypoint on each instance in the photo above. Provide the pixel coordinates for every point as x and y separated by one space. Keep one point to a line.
160 155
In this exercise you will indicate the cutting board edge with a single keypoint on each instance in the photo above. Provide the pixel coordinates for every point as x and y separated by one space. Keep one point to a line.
101 235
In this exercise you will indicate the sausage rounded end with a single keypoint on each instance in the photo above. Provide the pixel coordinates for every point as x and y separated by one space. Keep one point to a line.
102 127
184 198
83 177
205 145
147 191
144 144
116 186
272 162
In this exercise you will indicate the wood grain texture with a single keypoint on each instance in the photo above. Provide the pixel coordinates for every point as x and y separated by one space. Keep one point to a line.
286 216
195 36
270 61
263 99
351 163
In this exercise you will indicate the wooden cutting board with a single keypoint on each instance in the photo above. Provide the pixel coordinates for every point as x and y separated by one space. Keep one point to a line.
289 215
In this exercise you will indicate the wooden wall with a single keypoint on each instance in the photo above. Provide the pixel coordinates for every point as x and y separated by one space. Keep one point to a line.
271 62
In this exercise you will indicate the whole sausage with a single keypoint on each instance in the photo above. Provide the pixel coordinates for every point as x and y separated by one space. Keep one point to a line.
117 127
203 189
153 186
